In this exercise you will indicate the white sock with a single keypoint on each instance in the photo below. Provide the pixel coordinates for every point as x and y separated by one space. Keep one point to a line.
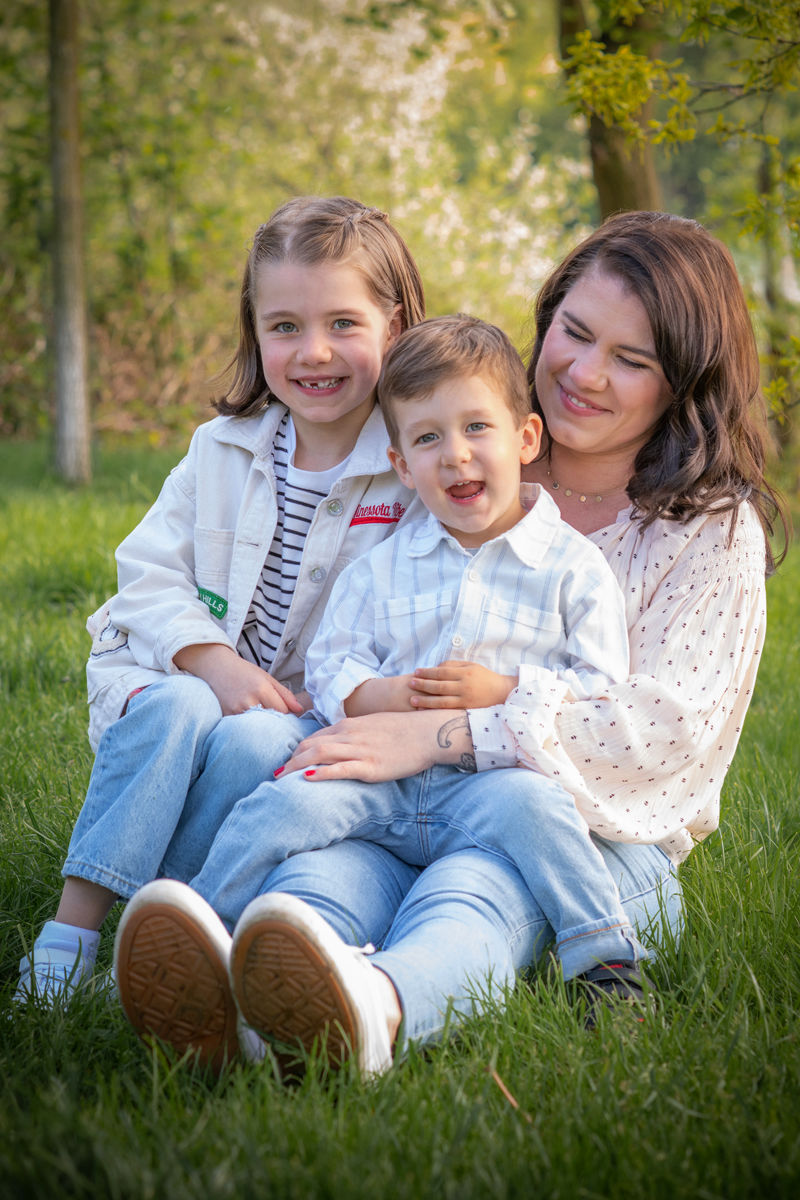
72 939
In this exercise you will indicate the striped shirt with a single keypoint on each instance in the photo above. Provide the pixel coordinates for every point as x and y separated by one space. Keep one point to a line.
298 493
540 602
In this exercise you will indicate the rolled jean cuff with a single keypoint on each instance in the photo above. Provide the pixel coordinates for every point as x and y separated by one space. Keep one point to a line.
582 948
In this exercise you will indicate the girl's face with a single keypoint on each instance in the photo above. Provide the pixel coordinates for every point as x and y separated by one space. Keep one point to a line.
598 380
322 339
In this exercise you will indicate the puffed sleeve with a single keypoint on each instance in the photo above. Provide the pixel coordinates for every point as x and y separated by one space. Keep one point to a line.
646 761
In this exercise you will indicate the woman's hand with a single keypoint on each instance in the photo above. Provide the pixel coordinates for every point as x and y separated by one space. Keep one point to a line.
385 746
455 684
237 684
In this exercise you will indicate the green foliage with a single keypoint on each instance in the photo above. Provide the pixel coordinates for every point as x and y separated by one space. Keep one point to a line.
700 1102
759 72
198 121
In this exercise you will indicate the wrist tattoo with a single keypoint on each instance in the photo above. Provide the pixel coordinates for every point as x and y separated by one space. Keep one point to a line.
444 737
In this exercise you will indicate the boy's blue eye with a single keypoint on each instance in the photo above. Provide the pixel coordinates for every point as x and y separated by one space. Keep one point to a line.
343 323
476 426
425 438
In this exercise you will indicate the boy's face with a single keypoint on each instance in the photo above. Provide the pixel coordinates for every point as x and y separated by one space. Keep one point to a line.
461 449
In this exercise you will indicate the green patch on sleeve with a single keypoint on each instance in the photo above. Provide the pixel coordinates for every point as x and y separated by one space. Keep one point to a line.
217 604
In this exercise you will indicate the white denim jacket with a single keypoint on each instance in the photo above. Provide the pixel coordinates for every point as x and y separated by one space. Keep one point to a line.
188 571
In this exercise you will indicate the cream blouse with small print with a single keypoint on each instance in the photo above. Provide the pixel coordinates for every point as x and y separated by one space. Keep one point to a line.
646 762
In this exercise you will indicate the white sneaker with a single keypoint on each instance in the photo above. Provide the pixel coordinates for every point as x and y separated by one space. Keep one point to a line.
62 957
297 981
171 965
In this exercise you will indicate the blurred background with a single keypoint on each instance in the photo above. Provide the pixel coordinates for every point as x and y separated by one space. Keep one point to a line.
495 134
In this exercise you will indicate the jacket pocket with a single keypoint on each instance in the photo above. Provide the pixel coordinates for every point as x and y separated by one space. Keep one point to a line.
213 549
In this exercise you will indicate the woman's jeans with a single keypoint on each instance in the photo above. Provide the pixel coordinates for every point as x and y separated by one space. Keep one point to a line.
454 935
165 777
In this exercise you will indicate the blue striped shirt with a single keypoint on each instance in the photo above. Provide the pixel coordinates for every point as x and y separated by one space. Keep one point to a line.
540 602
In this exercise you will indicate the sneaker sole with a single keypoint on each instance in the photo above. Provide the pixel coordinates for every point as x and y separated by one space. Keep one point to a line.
288 988
173 983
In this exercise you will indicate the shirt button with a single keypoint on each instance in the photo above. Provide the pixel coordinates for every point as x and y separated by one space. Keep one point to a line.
317 574
472 576
335 507
290 645
457 640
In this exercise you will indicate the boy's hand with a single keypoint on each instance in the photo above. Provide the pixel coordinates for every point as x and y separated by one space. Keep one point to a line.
392 694
455 684
237 684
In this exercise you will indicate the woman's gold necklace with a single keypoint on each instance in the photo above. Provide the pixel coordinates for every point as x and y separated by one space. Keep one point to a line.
583 497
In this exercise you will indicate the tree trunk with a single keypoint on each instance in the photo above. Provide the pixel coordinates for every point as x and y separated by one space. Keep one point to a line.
69 288
624 173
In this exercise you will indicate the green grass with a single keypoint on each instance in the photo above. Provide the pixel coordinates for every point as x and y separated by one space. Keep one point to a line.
703 1101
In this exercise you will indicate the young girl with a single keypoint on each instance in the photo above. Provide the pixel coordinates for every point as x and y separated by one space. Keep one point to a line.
222 584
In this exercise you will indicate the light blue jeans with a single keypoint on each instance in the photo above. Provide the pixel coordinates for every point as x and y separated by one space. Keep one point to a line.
456 933
525 818
165 777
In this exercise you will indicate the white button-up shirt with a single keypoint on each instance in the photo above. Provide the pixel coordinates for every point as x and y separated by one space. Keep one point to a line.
540 602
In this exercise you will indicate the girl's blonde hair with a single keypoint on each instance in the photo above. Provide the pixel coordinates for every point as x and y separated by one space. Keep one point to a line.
310 230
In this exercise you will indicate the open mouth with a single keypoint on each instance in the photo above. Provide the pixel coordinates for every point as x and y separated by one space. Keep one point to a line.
579 402
320 385
466 491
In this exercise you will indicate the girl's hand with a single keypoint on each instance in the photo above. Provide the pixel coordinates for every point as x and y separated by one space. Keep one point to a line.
237 684
384 746
455 684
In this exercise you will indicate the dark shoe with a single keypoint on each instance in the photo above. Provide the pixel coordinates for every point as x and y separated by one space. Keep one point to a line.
609 985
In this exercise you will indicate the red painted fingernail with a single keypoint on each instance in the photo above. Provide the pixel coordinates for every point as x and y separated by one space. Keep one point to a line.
278 771
307 773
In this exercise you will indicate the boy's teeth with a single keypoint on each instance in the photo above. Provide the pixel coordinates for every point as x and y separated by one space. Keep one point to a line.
462 490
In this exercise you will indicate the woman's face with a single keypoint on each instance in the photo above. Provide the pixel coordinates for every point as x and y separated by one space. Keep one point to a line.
598 380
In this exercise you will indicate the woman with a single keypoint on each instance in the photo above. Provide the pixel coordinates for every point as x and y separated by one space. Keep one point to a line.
645 373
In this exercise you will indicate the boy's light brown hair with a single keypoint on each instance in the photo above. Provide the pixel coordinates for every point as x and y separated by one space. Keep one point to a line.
444 348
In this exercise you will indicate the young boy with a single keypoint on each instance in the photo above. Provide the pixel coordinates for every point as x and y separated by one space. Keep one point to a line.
501 599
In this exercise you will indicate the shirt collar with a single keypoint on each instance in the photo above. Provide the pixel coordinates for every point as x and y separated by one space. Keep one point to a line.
257 434
530 538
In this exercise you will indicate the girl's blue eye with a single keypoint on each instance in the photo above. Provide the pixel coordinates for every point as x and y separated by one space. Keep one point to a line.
343 323
285 327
